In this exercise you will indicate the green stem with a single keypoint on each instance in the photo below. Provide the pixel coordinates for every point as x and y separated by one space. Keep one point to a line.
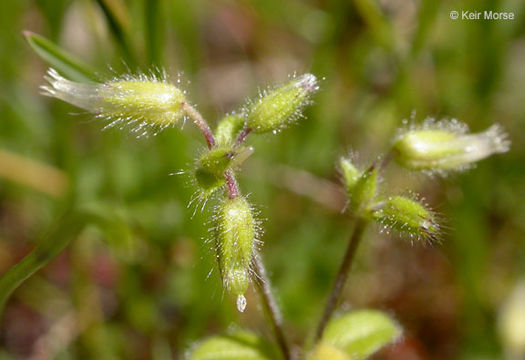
59 236
342 275
270 306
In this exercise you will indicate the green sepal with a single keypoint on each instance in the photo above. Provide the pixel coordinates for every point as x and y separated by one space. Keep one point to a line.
363 192
228 128
351 174
235 239
276 109
407 216
216 161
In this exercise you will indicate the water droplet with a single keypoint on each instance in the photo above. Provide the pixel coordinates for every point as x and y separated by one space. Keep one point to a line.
241 303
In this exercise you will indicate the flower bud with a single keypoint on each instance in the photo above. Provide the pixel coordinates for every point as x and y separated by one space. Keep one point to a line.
235 239
363 192
276 109
210 167
447 146
141 101
407 216
350 174
228 128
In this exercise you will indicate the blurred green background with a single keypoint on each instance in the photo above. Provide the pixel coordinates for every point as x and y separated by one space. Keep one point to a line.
142 287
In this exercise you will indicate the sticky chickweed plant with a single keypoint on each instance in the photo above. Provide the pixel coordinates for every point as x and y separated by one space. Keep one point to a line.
148 104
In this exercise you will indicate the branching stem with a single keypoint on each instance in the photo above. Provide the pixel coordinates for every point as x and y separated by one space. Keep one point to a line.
260 277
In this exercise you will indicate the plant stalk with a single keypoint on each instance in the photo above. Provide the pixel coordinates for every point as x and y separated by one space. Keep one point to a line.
201 123
342 276
260 277
270 306
242 136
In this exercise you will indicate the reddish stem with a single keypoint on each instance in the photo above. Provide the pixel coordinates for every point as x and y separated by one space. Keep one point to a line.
200 122
231 183
242 136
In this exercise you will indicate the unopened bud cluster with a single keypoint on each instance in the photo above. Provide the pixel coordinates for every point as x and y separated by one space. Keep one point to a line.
144 102
434 147
399 213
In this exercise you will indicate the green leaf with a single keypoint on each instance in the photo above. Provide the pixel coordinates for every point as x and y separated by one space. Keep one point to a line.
154 30
60 59
239 346
361 333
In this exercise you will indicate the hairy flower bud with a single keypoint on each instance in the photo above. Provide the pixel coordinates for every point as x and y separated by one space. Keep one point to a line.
363 192
141 102
227 128
276 109
350 174
235 241
447 145
407 216
210 167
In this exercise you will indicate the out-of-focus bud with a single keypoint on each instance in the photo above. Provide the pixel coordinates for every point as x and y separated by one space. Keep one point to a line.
228 128
276 109
238 345
407 216
447 145
325 351
359 334
235 241
511 324
363 192
140 102
351 174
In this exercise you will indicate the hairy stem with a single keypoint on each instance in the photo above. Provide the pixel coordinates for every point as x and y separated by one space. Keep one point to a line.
342 275
270 306
242 136
231 183
201 123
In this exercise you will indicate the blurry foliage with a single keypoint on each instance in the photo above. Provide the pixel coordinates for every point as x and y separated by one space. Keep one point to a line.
153 295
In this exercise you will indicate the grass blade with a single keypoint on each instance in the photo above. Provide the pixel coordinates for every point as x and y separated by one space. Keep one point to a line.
153 31
60 59
54 242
